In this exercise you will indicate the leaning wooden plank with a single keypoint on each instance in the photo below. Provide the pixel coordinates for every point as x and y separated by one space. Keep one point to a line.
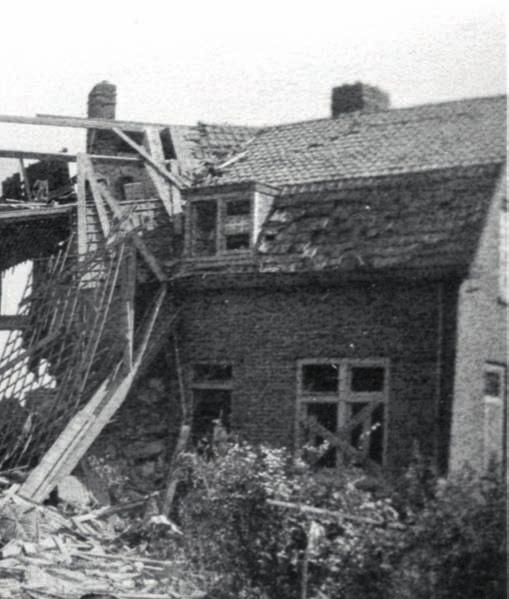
34 488
96 195
148 158
74 441
155 148
110 404
13 322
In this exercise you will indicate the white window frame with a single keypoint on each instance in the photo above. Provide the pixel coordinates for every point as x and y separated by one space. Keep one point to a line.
344 396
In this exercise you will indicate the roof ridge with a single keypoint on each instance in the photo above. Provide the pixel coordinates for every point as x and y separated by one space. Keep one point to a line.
384 111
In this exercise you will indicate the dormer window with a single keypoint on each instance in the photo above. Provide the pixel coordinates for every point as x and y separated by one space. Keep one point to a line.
220 226
225 222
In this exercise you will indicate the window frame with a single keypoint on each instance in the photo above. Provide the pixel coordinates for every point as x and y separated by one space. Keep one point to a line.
344 397
196 384
224 222
501 370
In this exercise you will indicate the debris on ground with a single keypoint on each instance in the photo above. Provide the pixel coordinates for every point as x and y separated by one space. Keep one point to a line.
45 554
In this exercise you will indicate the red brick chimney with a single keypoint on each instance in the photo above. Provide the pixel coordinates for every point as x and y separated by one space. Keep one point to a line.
358 96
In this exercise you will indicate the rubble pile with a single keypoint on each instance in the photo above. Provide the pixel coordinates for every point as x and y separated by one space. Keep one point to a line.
69 554
130 457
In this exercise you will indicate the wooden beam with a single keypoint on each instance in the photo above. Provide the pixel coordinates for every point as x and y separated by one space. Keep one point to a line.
77 122
154 146
336 440
65 157
128 282
82 205
75 440
95 188
148 158
13 216
12 322
137 240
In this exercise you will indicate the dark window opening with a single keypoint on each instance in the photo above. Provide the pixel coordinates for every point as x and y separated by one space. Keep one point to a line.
320 378
326 414
239 241
212 372
211 406
238 208
367 379
492 384
204 228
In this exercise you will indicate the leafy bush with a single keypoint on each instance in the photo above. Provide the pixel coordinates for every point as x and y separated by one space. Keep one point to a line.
422 538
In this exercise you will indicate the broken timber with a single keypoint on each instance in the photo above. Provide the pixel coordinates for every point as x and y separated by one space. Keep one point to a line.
81 432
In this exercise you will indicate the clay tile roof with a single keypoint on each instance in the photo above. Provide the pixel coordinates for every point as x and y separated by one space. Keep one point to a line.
420 138
203 143
416 221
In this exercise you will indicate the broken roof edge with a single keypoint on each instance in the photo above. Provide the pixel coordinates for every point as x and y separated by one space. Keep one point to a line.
231 186
332 184
326 277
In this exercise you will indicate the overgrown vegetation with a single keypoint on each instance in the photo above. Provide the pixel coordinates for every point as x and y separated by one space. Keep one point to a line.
420 538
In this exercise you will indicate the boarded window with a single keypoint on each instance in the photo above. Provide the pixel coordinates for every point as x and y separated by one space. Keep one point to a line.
337 391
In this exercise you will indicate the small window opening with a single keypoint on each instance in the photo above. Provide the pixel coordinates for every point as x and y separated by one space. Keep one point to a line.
320 378
367 379
238 241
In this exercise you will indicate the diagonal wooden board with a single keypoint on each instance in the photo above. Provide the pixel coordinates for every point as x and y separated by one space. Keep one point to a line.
74 441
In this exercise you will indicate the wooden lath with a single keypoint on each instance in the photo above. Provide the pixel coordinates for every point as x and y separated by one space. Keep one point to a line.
340 439
157 166
84 428
102 197
77 122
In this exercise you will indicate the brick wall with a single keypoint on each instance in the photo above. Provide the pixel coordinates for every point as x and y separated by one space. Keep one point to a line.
263 332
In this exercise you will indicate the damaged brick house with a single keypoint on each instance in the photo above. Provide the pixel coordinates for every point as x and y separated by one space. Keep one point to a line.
348 268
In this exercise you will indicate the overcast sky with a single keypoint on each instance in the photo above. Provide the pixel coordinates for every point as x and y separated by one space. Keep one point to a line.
242 62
